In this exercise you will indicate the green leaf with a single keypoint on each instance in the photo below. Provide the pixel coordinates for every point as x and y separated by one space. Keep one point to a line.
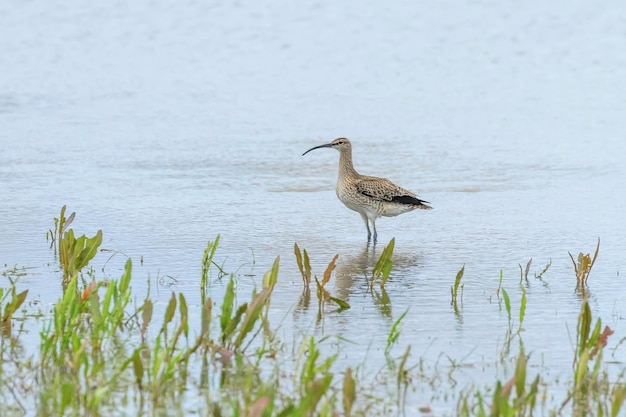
581 368
619 397
349 392
68 395
307 267
507 302
316 390
146 314
233 323
520 375
16 301
227 304
207 259
343 305
584 327
169 311
252 315
384 264
271 277
91 248
522 309
21 297
386 270
296 251
138 368
124 283
457 281
182 308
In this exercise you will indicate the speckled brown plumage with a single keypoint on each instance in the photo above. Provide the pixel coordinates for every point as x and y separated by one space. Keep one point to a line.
371 197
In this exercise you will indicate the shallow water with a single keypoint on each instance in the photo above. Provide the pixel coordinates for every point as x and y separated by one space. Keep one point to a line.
167 126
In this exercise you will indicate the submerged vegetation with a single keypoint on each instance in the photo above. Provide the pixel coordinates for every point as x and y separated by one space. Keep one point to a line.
99 352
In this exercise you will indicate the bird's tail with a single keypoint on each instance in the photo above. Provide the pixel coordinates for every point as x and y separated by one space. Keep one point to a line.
423 206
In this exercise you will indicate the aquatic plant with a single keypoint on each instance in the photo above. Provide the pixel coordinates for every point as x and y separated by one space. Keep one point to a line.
590 392
304 264
454 290
323 295
382 269
10 302
101 353
349 392
589 379
583 266
510 332
513 398
207 261
74 252
61 223
523 273
235 327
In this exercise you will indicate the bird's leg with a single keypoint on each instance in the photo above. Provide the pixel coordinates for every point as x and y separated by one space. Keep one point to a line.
374 227
367 225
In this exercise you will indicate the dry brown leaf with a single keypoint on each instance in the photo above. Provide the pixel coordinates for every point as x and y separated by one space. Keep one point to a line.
88 290
604 337
329 270
256 410
506 389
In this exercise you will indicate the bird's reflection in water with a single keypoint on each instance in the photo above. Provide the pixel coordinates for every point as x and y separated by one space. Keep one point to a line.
354 272
353 276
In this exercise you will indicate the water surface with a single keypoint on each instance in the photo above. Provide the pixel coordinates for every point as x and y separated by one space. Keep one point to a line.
167 125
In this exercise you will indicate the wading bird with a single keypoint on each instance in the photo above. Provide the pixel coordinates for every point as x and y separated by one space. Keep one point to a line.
371 197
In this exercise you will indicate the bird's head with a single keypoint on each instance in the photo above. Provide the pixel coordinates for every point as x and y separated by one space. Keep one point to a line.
340 144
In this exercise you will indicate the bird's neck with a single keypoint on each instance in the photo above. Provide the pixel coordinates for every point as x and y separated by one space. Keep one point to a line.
346 169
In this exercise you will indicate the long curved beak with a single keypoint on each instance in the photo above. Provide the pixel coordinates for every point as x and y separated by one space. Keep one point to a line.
328 145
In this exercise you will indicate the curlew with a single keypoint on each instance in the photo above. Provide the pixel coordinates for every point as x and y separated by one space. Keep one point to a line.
371 197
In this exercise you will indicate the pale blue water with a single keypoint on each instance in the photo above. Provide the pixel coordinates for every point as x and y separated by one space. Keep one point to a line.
165 125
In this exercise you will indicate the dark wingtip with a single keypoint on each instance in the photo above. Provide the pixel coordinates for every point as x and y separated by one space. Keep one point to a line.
412 201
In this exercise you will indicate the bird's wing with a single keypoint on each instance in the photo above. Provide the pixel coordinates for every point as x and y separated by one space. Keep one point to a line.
382 189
